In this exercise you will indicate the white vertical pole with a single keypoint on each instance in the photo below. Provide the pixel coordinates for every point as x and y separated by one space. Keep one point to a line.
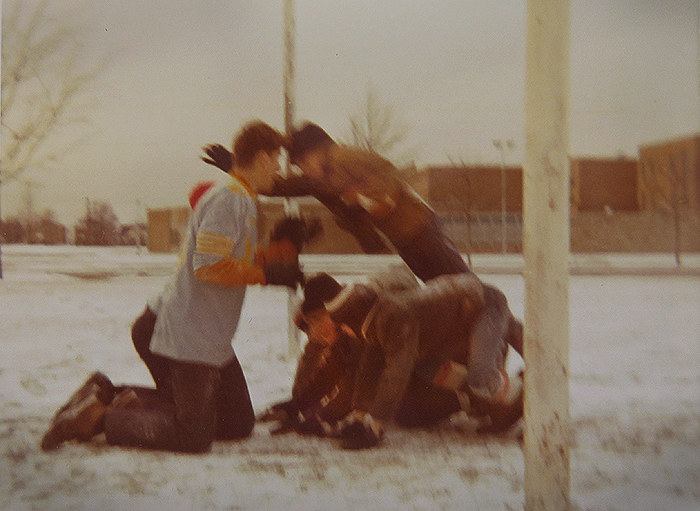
288 84
546 250
289 33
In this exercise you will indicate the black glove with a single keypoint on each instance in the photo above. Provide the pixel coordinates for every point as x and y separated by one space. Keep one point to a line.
285 413
313 425
218 156
281 274
297 230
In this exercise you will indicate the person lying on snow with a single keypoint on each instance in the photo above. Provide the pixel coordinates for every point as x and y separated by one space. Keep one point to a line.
380 355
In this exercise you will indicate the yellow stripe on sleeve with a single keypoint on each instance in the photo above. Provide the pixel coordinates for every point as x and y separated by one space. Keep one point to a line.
214 244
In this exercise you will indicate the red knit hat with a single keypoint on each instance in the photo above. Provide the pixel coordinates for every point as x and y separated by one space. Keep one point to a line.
198 190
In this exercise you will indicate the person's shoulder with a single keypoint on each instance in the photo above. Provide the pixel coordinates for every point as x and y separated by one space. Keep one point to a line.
239 188
227 199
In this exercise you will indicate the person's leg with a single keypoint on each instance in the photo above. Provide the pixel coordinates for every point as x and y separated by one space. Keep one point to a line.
190 427
487 346
141 334
430 253
234 410
425 405
514 335
491 391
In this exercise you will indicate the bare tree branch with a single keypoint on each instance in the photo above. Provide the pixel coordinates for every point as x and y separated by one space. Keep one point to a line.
45 87
376 127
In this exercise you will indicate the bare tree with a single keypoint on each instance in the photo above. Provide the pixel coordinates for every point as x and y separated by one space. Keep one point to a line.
47 79
99 226
376 126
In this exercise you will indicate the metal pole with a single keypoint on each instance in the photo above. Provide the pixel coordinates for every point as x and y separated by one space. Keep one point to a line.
288 83
546 249
289 29
504 243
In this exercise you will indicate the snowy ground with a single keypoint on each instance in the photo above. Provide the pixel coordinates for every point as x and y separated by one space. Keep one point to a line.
64 311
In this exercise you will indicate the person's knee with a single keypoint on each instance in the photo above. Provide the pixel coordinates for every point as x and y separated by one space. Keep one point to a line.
196 444
235 429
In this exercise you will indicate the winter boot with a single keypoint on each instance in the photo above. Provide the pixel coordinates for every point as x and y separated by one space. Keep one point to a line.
81 417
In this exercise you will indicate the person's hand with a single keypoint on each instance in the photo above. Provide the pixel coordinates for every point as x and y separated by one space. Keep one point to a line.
281 274
279 411
359 430
313 425
219 156
285 413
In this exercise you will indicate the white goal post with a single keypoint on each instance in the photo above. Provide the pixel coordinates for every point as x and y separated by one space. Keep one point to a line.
546 251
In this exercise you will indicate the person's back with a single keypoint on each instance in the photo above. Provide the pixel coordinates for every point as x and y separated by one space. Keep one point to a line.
373 182
443 310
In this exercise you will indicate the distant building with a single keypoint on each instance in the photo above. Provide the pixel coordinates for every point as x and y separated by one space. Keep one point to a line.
474 188
166 228
604 184
669 176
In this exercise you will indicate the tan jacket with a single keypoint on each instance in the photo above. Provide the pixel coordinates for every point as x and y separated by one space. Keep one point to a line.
372 182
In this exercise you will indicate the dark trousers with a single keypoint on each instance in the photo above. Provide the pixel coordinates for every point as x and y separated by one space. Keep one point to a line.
430 253
207 404
141 334
192 405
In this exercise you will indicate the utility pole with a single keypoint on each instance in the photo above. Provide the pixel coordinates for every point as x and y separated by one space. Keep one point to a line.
290 206
289 35
546 247
501 146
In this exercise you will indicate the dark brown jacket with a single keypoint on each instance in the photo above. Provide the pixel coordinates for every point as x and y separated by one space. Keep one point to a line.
408 328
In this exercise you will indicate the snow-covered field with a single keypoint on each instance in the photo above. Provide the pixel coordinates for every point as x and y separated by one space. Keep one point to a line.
65 311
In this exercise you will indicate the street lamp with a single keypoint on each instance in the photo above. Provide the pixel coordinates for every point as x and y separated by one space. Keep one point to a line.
502 146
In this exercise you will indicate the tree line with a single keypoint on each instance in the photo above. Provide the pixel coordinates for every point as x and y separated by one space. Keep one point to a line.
98 226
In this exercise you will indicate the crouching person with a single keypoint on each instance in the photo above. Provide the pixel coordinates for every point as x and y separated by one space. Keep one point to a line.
430 351
355 333
207 396
325 376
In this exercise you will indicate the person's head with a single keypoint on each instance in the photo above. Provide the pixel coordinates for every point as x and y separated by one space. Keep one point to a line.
256 154
308 149
317 321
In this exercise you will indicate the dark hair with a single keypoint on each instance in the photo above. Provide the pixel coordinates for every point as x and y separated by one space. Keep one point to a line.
318 289
309 137
254 137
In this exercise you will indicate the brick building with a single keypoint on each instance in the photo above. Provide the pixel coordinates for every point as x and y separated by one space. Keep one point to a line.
603 184
669 175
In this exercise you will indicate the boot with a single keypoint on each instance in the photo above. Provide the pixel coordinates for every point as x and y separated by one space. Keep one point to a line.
81 417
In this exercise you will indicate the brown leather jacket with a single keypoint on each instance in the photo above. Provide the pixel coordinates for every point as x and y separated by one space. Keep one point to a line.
372 182
365 191
412 327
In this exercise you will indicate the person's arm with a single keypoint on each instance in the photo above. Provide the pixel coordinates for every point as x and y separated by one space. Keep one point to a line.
400 346
223 254
351 218
375 184
337 361
309 360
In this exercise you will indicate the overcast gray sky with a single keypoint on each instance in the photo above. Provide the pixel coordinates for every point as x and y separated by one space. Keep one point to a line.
188 73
